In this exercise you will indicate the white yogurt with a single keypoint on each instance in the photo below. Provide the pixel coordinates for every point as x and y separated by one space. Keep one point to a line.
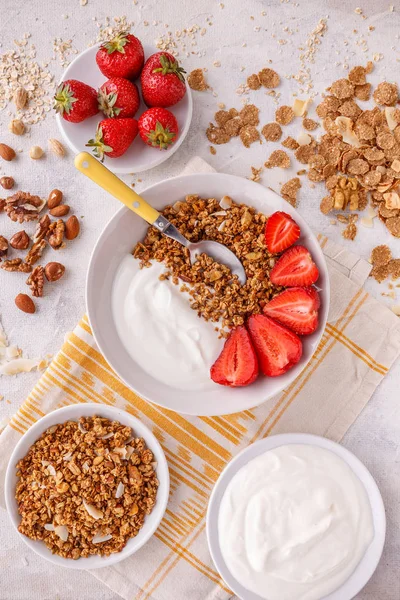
160 331
294 523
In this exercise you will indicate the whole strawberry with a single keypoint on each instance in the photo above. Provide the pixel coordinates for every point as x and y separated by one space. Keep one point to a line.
113 137
118 97
75 101
123 56
158 128
163 83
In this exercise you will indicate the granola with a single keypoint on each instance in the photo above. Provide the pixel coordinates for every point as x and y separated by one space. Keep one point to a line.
214 293
85 488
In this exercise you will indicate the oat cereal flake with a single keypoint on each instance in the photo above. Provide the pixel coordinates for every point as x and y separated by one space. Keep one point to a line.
284 115
269 78
272 132
381 255
197 81
278 158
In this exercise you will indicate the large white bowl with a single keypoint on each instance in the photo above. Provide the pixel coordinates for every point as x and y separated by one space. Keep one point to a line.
118 239
73 413
370 560
139 157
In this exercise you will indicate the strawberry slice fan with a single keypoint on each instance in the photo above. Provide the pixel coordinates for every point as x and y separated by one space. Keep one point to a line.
271 340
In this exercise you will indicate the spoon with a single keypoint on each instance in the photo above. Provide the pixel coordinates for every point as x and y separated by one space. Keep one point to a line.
97 172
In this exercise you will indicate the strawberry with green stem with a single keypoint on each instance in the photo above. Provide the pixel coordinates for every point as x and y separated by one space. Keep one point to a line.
162 80
158 128
123 56
113 137
118 97
75 101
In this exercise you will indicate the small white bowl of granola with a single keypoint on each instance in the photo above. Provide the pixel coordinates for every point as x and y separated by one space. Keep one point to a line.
87 486
143 319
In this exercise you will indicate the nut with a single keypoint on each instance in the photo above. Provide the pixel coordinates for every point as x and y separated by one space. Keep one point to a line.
55 198
72 228
20 240
20 98
56 147
36 152
6 152
25 303
56 234
7 183
54 271
16 127
60 211
36 281
3 246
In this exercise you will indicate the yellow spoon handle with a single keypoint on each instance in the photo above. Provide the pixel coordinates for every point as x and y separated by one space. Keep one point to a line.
92 168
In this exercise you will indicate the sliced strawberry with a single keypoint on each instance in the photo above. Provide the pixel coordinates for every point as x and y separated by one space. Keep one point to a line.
278 349
295 268
297 308
281 232
237 364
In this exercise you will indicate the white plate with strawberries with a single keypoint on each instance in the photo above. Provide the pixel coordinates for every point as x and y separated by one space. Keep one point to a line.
259 359
129 105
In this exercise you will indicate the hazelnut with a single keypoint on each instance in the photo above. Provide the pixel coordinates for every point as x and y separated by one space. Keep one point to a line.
16 127
55 198
54 271
36 152
20 240
7 183
25 303
60 211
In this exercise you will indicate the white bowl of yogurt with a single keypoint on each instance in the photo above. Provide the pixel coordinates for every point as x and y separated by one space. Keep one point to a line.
145 327
296 517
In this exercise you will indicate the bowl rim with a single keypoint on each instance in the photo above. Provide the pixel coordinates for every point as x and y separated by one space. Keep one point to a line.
112 166
90 295
89 409
357 580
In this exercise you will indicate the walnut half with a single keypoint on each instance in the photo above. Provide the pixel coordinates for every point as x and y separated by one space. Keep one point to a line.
36 281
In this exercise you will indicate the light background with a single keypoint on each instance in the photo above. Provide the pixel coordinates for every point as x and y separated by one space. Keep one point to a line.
375 436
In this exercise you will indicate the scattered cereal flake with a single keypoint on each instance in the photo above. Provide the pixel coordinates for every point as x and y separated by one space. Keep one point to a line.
380 273
284 115
342 89
290 143
393 224
269 78
394 268
289 190
363 92
212 150
380 255
248 135
217 135
326 204
272 132
253 82
249 115
386 94
304 153
197 81
357 75
278 158
255 174
310 124
350 232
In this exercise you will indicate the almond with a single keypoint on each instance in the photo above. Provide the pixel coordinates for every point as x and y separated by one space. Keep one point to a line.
20 98
56 147
25 303
55 198
6 152
20 240
7 183
54 271
72 228
60 211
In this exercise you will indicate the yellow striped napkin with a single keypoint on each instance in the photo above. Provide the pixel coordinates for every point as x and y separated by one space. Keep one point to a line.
361 341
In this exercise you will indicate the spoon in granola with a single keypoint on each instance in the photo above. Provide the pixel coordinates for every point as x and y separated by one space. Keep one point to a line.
97 172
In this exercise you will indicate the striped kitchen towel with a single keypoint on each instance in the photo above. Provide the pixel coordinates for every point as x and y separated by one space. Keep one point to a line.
359 345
